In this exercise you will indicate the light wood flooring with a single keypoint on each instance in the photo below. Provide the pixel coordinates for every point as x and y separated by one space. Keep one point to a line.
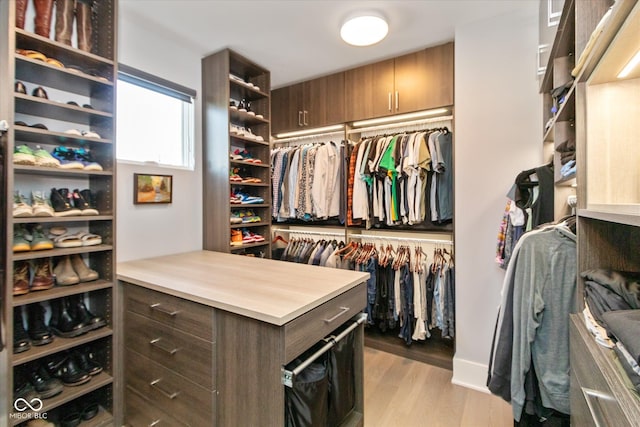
400 392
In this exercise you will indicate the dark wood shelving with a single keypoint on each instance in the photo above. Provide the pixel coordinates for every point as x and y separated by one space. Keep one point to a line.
41 136
245 163
249 140
32 105
41 170
246 118
58 219
250 224
249 184
60 291
249 245
245 91
20 256
248 205
613 217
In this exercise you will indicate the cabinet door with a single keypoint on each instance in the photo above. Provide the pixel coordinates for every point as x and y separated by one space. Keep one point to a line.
324 101
286 108
424 79
369 91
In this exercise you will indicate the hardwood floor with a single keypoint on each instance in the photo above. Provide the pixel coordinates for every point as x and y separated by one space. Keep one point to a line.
407 393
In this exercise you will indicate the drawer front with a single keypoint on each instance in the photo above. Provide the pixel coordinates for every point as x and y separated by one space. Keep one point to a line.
589 388
178 396
182 353
193 318
306 330
139 412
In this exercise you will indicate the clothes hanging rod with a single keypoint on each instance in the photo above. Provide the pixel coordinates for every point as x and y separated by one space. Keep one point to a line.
399 239
304 137
401 124
287 375
315 233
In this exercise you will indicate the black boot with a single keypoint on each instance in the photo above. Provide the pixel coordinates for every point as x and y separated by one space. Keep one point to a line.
22 388
65 368
21 341
80 312
62 323
39 333
45 386
86 360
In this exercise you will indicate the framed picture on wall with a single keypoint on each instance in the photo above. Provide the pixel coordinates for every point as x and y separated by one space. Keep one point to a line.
152 188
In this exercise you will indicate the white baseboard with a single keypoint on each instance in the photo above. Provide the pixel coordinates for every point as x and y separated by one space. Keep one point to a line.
470 374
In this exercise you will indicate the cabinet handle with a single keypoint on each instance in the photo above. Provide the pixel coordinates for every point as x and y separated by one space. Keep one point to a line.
593 402
158 307
154 423
155 383
397 100
390 101
304 120
343 310
156 343
300 118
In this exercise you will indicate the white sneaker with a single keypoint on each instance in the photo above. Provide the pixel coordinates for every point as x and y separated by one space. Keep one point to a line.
21 208
40 205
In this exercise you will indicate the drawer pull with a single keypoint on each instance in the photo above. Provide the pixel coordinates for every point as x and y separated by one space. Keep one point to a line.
156 343
154 423
593 402
155 383
343 310
158 307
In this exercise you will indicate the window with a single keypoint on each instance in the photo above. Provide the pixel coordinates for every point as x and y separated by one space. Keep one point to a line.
155 121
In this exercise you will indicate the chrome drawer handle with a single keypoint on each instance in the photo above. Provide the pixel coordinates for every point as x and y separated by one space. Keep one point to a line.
154 423
343 310
155 383
156 343
592 397
158 307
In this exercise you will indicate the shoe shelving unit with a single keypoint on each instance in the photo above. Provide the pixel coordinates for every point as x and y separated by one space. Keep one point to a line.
88 78
219 142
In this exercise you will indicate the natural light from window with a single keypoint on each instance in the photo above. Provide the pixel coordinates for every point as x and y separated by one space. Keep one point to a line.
153 127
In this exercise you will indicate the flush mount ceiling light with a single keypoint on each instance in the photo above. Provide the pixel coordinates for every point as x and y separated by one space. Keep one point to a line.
364 30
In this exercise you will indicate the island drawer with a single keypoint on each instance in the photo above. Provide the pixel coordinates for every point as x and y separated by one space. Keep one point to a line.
139 412
191 317
306 330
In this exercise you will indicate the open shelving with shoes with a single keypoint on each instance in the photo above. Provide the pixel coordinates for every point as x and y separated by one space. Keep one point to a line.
64 99
236 129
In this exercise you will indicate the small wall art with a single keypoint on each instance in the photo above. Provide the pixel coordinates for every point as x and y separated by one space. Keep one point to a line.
150 189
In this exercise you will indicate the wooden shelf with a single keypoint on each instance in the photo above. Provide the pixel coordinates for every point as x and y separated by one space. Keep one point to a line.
68 55
249 245
41 136
618 218
567 180
59 344
32 105
72 393
41 170
244 206
243 90
245 163
20 256
65 219
250 224
60 291
566 112
249 140
246 118
249 184
563 43
102 419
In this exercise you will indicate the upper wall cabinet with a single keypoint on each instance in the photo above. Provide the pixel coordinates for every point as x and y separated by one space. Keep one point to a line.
313 103
417 81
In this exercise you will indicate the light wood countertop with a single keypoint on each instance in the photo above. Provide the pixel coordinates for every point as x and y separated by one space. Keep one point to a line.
268 290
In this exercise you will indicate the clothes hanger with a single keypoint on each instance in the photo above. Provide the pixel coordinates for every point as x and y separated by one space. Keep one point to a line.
279 238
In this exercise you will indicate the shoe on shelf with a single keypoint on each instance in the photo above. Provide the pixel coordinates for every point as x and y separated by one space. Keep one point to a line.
21 239
39 332
44 158
236 238
85 357
245 199
21 209
61 200
23 155
233 175
256 237
19 87
248 157
67 158
39 92
41 206
81 313
40 242
234 200
64 272
247 237
248 108
21 341
42 275
22 388
21 273
62 323
242 106
84 273
90 134
81 203
42 382
236 155
65 368
232 105
235 218
84 156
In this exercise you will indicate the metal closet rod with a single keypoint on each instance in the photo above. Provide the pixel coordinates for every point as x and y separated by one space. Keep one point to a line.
315 233
287 376
399 239
401 124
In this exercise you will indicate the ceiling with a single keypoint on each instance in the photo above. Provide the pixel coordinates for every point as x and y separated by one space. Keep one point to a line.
299 39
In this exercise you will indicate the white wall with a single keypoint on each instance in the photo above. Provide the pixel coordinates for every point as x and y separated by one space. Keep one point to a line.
143 230
498 133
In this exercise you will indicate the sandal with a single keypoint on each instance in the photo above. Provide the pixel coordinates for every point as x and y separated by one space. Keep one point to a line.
67 241
89 239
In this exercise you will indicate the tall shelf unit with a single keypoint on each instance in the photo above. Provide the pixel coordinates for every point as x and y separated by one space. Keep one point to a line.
227 76
607 133
88 79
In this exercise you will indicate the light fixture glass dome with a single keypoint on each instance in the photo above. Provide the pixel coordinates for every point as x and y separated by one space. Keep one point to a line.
364 30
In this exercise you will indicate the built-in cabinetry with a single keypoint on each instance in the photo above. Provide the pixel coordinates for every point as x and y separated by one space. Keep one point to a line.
607 133
313 103
236 132
78 114
208 344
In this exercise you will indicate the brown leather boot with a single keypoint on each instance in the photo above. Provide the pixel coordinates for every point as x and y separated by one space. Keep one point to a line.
84 25
21 278
64 20
44 9
43 276
21 11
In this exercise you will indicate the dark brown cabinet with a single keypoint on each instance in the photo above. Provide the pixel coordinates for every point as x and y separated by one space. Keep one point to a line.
413 82
313 103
